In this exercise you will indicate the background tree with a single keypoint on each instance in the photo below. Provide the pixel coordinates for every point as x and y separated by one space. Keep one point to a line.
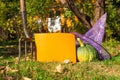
99 6
89 12
8 10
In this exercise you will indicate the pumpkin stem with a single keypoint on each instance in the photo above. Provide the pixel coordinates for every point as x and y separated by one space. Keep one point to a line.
80 42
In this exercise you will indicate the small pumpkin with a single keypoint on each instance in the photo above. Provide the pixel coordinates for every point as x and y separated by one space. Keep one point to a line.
85 53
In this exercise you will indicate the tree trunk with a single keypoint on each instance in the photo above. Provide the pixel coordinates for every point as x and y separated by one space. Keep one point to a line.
99 10
83 18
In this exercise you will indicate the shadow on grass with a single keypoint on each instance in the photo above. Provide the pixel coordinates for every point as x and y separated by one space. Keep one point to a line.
8 51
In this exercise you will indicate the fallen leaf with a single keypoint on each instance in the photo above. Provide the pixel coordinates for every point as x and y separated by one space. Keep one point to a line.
27 58
14 70
8 78
1 57
66 61
26 78
7 68
16 60
2 68
59 68
2 72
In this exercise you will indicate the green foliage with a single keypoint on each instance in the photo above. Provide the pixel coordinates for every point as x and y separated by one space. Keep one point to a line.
38 7
113 20
2 13
8 10
10 18
112 46
67 13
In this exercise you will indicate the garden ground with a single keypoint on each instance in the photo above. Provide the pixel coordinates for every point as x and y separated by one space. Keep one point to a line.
33 70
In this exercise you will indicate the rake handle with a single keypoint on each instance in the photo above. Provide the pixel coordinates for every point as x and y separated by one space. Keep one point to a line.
24 17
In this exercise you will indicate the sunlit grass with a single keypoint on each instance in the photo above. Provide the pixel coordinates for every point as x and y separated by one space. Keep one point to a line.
101 70
96 70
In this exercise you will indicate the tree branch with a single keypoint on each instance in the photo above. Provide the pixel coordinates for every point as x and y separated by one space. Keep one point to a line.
99 10
83 18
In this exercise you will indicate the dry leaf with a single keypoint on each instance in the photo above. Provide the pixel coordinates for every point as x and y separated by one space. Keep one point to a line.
8 78
59 68
1 71
14 70
27 58
2 68
66 61
1 57
7 68
26 78
63 1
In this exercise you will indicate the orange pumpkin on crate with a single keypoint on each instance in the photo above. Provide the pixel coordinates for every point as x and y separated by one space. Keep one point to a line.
55 47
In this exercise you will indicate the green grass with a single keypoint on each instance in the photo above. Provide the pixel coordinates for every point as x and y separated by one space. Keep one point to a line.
96 70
